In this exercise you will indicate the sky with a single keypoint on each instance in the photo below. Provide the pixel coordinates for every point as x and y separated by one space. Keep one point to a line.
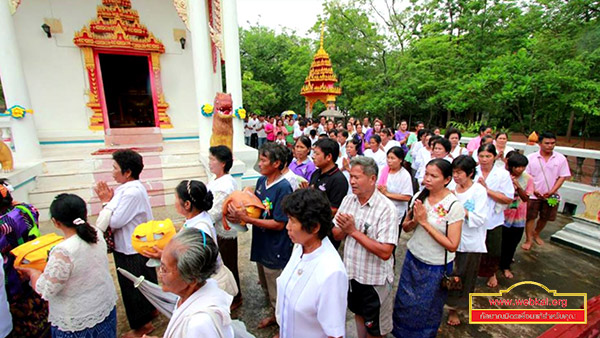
298 15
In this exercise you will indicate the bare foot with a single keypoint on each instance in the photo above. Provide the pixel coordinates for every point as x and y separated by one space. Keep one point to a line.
508 274
526 246
453 319
144 330
269 321
236 303
538 241
276 336
492 281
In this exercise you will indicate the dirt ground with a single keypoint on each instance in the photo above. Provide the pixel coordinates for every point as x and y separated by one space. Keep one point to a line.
558 267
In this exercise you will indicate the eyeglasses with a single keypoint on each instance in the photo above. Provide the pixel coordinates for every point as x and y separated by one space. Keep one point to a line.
162 269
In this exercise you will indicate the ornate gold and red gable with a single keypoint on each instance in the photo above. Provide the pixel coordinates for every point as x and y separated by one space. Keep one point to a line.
117 28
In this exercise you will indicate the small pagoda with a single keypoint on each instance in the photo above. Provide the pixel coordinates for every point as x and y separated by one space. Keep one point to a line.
320 82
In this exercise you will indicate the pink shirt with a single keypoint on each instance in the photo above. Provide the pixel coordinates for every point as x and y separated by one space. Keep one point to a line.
473 145
556 167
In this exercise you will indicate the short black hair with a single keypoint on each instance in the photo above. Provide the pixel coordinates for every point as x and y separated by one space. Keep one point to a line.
333 131
223 155
398 152
357 144
313 132
489 147
466 164
548 135
451 131
71 211
485 138
274 152
302 123
433 139
328 147
482 128
130 160
444 142
422 132
344 133
514 160
386 131
376 137
311 208
305 141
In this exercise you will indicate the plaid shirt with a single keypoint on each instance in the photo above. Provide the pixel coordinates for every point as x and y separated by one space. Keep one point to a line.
378 220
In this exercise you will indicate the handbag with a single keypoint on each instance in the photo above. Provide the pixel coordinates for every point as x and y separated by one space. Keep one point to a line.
452 281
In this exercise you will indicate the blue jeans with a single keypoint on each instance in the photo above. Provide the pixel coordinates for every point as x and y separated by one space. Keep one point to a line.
247 140
261 141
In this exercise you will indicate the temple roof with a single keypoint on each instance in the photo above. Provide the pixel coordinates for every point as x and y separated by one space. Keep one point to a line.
117 25
321 79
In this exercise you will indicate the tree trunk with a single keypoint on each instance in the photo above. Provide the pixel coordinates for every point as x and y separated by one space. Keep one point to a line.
570 128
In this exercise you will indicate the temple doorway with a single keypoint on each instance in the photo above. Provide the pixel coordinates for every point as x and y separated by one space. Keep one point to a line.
127 90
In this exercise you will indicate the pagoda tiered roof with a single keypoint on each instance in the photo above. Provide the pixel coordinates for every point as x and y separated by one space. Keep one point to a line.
321 79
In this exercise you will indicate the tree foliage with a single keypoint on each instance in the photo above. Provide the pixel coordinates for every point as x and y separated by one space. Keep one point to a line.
524 66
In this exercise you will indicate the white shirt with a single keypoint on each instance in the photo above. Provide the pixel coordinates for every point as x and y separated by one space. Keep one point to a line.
221 188
130 207
298 132
497 180
252 123
77 284
261 133
400 183
5 317
312 293
379 157
390 145
499 162
249 124
472 237
342 150
191 320
458 151
292 179
421 244
423 157
414 150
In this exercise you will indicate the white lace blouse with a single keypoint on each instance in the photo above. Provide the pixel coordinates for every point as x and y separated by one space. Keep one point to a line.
77 284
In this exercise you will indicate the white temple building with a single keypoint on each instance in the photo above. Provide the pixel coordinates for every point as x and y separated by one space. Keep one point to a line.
101 75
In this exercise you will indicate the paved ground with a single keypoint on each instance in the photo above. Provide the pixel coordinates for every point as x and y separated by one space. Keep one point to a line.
555 266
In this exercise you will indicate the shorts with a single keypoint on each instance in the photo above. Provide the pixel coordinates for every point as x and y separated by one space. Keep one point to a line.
374 303
539 207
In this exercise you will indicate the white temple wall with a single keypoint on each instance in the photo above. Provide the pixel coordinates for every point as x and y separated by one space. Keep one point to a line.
56 75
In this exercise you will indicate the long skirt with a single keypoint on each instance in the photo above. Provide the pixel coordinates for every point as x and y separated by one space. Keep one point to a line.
466 265
138 309
228 247
105 329
490 262
29 314
420 299
510 240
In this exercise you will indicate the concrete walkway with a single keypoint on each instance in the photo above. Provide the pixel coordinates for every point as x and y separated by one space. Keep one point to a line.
555 266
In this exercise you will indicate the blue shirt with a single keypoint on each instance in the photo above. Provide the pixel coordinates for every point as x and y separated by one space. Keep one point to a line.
271 248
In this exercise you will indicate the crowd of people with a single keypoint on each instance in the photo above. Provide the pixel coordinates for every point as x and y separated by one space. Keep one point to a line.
336 198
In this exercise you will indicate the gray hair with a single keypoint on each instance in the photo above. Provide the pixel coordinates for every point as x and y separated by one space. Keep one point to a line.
369 167
196 255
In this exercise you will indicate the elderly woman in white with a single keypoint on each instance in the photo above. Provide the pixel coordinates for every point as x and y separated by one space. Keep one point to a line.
312 289
185 267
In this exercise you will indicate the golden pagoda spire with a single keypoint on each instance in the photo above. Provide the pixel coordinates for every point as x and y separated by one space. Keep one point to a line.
322 33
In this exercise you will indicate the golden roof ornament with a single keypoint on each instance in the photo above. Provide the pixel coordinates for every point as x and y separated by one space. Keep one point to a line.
319 85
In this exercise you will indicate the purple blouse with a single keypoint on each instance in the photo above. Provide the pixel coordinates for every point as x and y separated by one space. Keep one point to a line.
304 169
